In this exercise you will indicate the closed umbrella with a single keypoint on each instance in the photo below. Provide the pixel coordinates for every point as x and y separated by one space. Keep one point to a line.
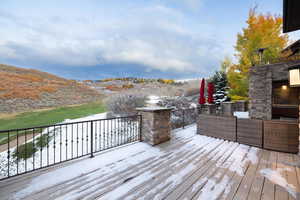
202 88
210 93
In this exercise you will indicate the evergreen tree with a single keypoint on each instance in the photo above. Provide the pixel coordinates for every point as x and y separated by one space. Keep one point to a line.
220 82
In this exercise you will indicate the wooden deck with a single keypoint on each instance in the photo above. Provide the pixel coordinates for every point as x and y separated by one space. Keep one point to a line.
188 167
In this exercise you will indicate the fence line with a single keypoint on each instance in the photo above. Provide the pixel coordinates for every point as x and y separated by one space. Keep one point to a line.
183 117
268 134
34 148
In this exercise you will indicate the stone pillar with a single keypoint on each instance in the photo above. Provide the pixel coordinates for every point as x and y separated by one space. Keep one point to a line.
227 108
156 124
209 109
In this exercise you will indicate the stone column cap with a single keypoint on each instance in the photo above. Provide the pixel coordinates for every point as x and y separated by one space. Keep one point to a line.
154 109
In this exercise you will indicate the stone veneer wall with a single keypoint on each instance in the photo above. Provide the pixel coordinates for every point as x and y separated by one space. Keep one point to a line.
156 124
260 87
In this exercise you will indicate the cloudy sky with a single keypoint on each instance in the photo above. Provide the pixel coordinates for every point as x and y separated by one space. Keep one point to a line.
94 39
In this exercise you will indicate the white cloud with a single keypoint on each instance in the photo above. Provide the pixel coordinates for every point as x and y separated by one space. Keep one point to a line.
193 4
157 37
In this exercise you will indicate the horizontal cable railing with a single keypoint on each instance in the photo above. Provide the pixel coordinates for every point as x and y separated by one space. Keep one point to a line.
29 149
183 117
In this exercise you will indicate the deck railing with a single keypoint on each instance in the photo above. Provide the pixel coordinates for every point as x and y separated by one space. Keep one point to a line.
183 117
34 148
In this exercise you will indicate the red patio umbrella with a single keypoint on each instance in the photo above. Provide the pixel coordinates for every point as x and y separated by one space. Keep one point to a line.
201 97
210 93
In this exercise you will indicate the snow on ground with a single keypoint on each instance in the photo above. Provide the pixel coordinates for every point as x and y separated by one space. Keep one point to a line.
153 100
242 115
71 141
186 80
193 105
275 177
90 117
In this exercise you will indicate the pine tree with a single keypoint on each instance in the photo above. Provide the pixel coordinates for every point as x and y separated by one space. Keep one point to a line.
220 81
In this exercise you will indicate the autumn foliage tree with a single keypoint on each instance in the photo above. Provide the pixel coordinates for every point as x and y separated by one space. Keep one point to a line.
262 31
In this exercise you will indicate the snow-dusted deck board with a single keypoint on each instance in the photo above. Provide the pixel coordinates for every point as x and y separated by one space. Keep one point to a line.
187 167
193 185
164 176
258 182
246 182
151 170
296 161
101 183
269 187
237 174
167 181
289 171
281 193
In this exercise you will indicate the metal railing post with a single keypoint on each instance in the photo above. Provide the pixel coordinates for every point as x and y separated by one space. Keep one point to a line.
8 154
183 119
141 126
92 140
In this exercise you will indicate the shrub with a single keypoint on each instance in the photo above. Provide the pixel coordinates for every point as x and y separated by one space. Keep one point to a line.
22 93
237 98
113 88
47 88
126 104
127 86
166 81
25 151
43 140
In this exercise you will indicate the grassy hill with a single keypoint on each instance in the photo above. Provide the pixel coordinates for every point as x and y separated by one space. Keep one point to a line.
26 89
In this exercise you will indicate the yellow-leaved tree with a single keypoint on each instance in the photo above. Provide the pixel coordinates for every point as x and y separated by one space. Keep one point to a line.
262 31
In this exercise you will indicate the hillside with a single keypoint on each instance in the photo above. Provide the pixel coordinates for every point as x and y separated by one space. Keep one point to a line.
26 89
156 87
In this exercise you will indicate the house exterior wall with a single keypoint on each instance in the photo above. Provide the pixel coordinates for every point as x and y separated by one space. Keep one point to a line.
260 87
